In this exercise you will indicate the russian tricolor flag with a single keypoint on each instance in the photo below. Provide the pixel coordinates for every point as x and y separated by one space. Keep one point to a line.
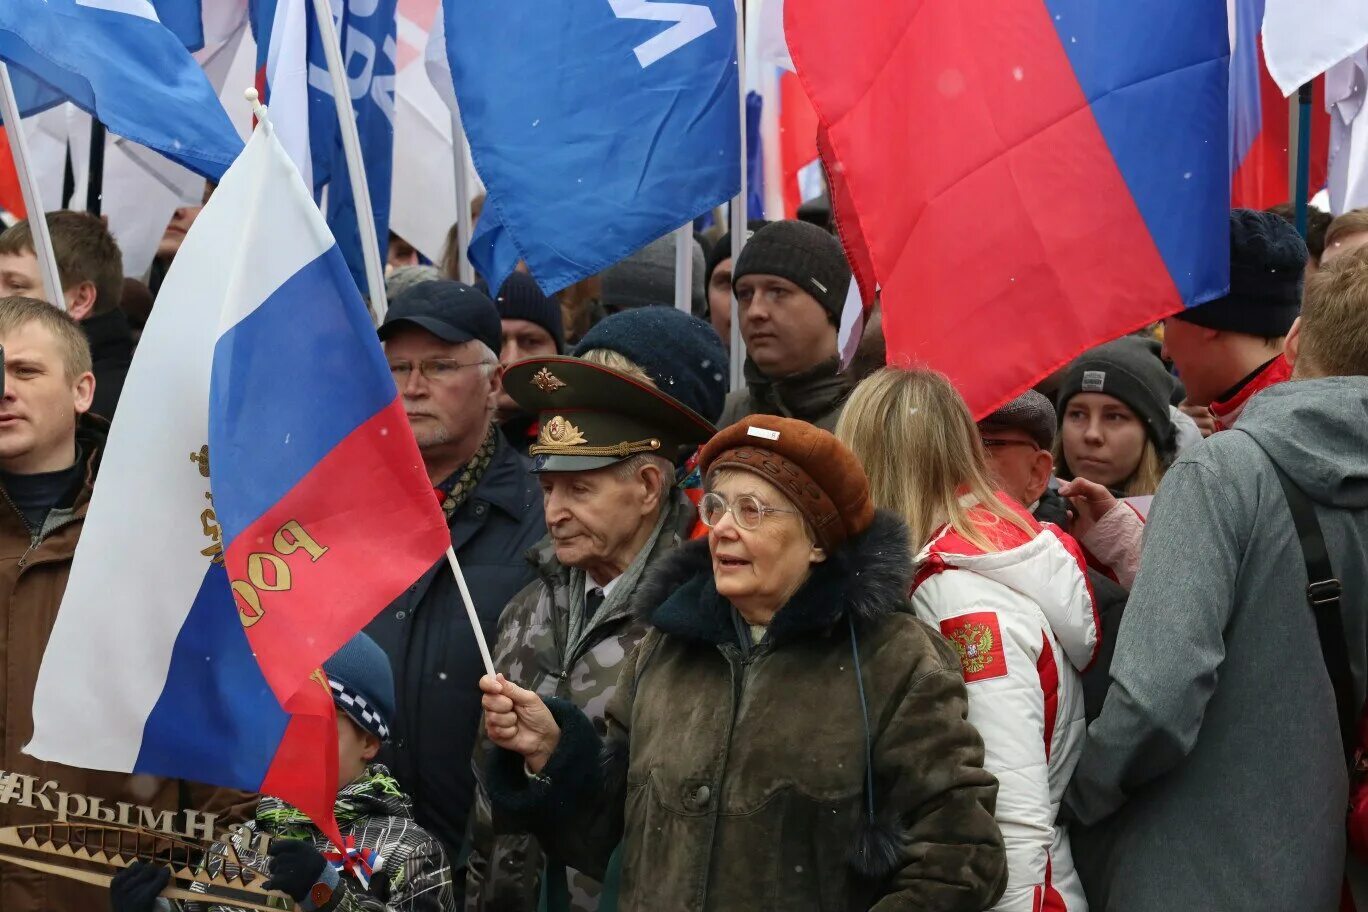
1024 179
260 416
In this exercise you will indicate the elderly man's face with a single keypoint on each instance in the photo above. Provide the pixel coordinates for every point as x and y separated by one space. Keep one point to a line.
452 406
599 519
1019 466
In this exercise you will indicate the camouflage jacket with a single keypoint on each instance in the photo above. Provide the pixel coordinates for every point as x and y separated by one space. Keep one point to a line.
504 871
409 868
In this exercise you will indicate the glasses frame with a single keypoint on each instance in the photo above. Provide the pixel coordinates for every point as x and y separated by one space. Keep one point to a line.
764 509
426 363
1001 443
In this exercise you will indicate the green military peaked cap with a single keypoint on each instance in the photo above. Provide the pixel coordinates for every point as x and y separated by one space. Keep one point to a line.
593 416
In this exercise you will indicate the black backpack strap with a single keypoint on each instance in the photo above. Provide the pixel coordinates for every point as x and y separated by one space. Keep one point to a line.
1323 593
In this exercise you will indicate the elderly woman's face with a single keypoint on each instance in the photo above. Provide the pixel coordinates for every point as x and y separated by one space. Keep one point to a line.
760 567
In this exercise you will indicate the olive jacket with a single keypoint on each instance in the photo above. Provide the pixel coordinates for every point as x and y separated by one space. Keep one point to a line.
734 773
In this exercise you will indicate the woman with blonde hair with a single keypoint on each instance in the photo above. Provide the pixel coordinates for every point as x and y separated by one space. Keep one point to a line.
1012 597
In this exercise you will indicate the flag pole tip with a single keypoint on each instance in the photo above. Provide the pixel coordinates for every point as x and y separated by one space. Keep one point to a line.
258 109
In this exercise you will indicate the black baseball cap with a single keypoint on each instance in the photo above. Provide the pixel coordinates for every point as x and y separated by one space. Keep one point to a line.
451 311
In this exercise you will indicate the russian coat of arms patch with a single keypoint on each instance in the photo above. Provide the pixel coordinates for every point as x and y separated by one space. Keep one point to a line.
977 639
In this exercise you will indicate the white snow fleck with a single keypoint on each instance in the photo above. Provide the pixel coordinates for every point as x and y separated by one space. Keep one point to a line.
1018 74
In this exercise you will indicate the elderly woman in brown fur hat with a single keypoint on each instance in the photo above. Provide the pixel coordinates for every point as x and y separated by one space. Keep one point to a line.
787 735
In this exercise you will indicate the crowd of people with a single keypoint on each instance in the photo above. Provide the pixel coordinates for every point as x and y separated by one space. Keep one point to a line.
824 642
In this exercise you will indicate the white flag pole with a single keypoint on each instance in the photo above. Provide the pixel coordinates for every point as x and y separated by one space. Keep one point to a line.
460 147
28 183
470 611
684 245
738 207
356 168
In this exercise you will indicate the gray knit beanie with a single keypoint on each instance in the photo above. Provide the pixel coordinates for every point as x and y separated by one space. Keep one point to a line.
647 279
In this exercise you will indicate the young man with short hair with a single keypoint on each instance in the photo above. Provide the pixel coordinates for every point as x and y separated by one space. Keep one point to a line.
791 282
1219 746
91 268
1229 349
50 451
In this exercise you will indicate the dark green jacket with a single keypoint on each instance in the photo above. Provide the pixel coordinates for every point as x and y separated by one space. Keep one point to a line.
734 775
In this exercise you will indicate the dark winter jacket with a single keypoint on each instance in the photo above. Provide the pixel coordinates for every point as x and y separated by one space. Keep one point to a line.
734 775
409 871
111 352
1110 600
34 567
1215 777
815 396
505 872
436 662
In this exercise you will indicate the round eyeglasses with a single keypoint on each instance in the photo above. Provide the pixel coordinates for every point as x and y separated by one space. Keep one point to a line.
747 510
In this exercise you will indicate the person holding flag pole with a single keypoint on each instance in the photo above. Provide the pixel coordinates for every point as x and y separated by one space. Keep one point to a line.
213 597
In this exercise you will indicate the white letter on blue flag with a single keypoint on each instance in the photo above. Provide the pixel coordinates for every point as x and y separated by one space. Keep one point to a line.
690 22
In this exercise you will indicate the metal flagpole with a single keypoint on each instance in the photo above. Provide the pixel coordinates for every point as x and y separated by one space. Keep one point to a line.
738 207
28 183
95 179
1303 179
356 167
460 146
684 244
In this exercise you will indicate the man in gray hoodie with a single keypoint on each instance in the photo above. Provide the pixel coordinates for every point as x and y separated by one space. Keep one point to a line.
1215 778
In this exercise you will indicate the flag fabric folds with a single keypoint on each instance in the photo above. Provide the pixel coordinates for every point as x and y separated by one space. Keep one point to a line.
1022 180
261 498
121 65
1259 138
1303 41
293 78
596 128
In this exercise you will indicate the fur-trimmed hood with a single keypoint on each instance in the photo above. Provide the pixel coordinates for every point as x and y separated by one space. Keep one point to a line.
869 576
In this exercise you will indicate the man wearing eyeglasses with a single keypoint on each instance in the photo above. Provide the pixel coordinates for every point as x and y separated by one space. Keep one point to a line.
605 459
1018 439
440 339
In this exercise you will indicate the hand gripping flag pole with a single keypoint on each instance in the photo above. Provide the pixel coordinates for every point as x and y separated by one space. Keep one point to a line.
28 184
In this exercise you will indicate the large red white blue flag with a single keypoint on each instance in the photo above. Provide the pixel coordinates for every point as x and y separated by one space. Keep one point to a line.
1023 180
261 498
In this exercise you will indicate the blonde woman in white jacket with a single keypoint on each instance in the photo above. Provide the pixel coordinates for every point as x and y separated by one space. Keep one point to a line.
1010 594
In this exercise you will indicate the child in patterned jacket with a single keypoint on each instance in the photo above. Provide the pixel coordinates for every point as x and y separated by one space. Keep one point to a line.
396 866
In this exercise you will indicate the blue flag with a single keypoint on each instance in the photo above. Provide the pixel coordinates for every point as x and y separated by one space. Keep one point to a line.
596 127
369 52
122 66
185 19
367 31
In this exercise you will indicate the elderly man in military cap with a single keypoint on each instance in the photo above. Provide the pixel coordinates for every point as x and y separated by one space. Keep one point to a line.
605 459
